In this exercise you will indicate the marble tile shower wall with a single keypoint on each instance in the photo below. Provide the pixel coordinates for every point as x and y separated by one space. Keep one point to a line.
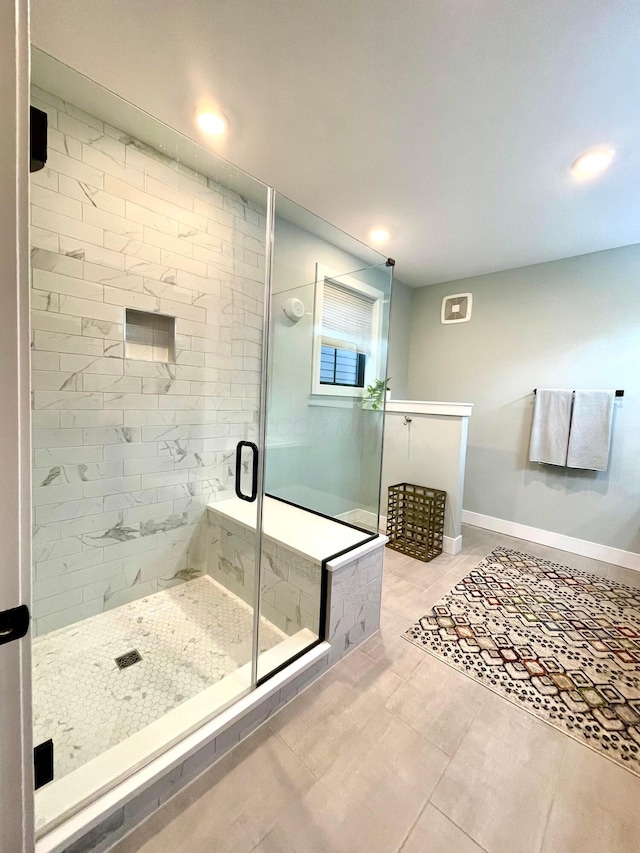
127 453
290 594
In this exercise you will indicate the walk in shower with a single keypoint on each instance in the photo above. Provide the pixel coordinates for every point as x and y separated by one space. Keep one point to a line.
203 438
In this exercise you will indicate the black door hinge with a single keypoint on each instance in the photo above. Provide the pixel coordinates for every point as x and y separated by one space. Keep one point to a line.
38 127
43 763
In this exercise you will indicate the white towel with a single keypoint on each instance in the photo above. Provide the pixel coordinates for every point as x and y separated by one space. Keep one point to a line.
591 430
550 427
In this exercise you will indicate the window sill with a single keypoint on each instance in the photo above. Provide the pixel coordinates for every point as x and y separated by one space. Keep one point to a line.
354 402
334 401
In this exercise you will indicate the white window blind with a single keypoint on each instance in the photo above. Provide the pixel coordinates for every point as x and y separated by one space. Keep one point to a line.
347 318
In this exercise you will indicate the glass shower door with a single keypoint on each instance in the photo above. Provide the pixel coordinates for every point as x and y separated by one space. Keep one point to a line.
148 281
329 315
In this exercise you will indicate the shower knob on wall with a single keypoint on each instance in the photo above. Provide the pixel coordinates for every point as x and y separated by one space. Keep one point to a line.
294 309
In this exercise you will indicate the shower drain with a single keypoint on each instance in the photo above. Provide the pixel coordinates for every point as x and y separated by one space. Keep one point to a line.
129 659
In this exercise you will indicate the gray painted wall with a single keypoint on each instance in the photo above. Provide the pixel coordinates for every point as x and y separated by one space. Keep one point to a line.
399 343
573 323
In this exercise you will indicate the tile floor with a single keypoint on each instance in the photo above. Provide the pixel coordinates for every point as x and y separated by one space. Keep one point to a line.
189 637
393 750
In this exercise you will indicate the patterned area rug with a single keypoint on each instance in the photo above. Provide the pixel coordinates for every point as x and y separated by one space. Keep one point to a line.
562 644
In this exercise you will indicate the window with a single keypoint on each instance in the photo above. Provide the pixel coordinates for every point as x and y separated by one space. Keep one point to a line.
341 367
346 351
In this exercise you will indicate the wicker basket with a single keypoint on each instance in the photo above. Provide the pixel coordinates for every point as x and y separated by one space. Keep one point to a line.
415 520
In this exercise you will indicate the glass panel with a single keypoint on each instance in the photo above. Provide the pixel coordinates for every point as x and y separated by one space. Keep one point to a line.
144 558
16 816
323 441
324 436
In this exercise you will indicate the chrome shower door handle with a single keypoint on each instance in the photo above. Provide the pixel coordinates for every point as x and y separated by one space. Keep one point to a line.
254 471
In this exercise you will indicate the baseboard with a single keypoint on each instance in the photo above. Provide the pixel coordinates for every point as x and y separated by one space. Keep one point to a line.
450 544
604 553
359 517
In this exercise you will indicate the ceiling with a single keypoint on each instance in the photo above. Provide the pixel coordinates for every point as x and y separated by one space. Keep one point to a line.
451 122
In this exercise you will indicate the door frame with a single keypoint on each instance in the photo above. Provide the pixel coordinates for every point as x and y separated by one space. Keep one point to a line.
16 741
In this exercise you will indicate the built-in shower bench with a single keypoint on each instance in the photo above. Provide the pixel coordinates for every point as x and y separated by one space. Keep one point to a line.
313 568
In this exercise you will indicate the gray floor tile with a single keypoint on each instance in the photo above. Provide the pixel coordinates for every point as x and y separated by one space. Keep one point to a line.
595 808
499 785
405 599
371 796
319 732
394 559
622 575
438 702
424 574
277 841
389 649
230 807
435 833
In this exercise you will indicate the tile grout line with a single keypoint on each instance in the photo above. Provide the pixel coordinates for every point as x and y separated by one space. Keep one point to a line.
294 753
413 825
427 801
292 700
466 834
402 681
553 799
428 739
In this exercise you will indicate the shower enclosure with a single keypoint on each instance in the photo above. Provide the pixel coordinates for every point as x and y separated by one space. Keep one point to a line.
203 438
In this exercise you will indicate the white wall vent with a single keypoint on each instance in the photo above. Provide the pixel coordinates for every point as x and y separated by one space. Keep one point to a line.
456 308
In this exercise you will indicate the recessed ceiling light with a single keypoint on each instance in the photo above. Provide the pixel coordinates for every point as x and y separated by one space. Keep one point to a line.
214 124
593 162
379 235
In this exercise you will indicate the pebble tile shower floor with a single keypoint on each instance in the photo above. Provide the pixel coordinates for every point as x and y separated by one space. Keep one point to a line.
188 637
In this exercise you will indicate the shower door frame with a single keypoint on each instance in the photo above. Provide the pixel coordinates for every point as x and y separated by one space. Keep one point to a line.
262 431
16 742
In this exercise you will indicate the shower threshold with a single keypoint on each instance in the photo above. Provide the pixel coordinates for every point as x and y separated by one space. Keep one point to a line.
194 644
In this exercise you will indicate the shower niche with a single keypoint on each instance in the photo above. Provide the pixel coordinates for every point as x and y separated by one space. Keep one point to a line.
170 387
149 336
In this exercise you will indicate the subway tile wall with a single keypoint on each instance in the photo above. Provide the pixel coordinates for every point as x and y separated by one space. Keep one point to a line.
127 453
291 585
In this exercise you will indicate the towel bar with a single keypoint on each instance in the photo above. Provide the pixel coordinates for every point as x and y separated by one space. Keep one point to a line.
619 392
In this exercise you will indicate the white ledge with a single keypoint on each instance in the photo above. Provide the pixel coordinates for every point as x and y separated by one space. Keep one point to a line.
338 562
428 407
308 534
